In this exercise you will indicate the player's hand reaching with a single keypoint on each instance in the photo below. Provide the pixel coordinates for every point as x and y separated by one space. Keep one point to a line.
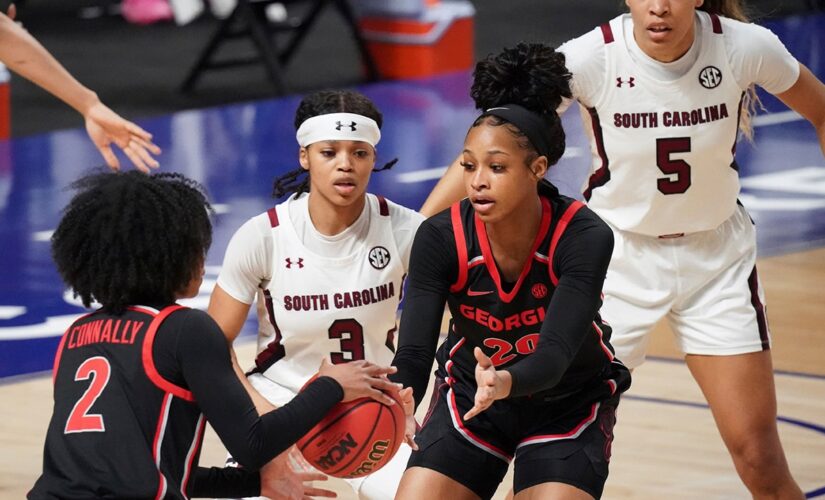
492 384
280 482
106 127
362 379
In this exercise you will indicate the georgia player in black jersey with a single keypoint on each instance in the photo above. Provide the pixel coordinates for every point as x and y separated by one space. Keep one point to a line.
136 380
527 370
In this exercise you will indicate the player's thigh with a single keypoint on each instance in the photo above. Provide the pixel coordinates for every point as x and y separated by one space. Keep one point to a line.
722 311
443 450
582 463
556 491
421 482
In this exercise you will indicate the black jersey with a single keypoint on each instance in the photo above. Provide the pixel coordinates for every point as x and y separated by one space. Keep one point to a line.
504 319
126 422
544 328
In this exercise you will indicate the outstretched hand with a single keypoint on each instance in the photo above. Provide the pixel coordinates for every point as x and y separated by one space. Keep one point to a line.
362 379
106 127
492 384
279 481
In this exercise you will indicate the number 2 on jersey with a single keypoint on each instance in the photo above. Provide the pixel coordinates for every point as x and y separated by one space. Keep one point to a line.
679 168
80 420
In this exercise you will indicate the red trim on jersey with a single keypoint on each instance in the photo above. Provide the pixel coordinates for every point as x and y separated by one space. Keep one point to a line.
470 436
460 247
59 352
568 214
607 33
612 384
144 310
193 452
759 307
149 360
717 24
157 442
604 347
273 217
602 174
571 434
383 208
487 252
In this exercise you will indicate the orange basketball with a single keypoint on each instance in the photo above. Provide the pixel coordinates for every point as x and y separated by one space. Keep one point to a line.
355 438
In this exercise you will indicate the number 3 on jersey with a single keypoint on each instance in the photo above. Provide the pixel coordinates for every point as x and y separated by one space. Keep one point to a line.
678 168
80 420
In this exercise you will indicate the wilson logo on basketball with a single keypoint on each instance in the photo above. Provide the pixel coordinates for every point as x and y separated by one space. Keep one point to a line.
539 290
379 257
338 452
376 454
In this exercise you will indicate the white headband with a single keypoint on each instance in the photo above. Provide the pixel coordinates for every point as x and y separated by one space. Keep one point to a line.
338 127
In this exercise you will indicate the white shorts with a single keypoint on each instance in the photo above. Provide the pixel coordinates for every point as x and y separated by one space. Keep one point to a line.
380 485
705 283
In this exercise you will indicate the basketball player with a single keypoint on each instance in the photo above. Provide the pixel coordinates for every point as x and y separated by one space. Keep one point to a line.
25 56
665 90
527 371
136 380
327 266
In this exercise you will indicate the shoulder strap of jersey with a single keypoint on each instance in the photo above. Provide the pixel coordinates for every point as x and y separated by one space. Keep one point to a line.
561 226
607 33
383 207
716 23
460 246
273 217
149 361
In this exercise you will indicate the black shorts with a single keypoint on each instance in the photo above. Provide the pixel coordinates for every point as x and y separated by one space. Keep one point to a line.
572 448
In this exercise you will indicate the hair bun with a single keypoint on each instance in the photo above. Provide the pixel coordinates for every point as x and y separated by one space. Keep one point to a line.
532 75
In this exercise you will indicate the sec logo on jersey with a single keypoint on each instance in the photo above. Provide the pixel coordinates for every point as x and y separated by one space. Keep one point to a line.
710 77
379 257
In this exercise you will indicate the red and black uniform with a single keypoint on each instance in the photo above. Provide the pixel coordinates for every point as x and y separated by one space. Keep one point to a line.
132 394
544 329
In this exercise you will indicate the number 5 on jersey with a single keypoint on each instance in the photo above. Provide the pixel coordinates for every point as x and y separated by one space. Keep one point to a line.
678 168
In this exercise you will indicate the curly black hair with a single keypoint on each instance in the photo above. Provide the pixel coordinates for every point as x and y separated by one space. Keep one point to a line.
532 75
322 103
130 238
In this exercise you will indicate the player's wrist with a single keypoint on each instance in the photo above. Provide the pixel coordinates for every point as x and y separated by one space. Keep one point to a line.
504 384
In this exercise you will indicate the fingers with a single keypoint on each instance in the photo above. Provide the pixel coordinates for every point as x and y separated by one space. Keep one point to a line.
136 160
381 397
475 410
483 360
310 492
147 144
311 476
407 400
144 155
109 157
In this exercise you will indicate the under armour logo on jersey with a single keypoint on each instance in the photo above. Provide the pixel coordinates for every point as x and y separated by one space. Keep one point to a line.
351 125
710 77
630 81
299 263
379 257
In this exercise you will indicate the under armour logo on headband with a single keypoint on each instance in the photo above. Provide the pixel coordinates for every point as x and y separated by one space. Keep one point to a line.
339 125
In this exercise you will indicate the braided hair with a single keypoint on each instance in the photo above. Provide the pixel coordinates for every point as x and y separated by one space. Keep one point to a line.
322 103
129 238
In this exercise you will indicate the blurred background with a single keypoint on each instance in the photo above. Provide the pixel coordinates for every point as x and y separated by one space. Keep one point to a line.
137 69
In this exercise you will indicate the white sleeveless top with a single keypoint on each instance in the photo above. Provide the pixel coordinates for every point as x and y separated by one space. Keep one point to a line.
663 149
313 305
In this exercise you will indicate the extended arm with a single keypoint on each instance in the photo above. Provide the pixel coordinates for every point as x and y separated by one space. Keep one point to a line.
807 97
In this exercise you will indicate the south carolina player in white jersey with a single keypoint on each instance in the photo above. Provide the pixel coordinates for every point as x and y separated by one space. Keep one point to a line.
327 267
664 91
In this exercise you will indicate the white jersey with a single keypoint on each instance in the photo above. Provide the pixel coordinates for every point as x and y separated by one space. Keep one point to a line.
321 297
663 136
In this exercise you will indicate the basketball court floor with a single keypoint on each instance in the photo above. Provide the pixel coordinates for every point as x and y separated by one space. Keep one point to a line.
666 443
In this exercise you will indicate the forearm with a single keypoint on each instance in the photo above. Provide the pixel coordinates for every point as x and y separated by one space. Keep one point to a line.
224 482
24 55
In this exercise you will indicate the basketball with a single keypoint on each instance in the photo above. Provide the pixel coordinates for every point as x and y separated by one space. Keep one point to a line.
355 438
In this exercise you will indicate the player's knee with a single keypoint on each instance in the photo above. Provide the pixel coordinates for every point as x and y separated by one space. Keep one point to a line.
761 464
